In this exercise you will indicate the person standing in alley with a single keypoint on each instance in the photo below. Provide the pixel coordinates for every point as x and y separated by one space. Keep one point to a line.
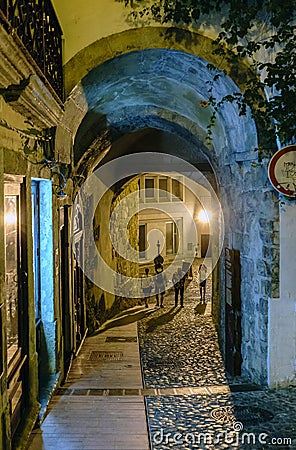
160 283
158 263
202 271
179 284
146 286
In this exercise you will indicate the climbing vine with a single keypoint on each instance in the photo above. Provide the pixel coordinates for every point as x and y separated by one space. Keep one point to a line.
263 31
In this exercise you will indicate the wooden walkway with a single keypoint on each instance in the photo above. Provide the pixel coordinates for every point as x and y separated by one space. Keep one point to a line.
101 407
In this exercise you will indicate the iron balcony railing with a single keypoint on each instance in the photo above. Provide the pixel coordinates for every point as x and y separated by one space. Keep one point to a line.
35 23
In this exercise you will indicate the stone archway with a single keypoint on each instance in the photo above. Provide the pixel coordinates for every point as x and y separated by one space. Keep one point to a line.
113 99
138 39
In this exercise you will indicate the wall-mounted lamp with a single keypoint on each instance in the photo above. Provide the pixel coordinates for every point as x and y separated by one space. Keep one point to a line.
61 194
55 170
61 185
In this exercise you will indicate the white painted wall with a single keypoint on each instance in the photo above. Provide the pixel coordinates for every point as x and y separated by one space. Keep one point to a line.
282 311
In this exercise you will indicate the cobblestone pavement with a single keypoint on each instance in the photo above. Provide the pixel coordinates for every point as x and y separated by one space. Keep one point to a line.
179 347
246 420
180 355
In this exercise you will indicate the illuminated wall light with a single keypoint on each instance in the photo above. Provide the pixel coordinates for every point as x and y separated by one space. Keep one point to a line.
10 218
203 216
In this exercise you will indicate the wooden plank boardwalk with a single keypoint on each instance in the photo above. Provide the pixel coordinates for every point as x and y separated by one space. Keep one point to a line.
101 406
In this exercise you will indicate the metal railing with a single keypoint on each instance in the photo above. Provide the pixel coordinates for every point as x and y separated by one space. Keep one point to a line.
35 23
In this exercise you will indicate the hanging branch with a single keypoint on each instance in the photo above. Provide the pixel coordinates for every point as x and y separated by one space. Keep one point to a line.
271 92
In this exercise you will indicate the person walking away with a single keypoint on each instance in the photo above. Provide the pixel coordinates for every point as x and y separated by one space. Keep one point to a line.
179 285
158 263
146 286
202 270
159 286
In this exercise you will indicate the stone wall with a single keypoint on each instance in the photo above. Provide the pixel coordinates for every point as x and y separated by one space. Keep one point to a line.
251 226
102 305
127 268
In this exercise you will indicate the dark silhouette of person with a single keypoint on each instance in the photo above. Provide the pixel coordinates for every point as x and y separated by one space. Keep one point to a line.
202 270
159 284
158 263
179 285
146 286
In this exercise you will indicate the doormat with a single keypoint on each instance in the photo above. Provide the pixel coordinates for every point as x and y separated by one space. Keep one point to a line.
106 356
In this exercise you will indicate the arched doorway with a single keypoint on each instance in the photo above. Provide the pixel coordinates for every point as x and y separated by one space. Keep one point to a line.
163 90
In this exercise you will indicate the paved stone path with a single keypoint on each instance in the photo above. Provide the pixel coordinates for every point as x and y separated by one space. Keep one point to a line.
246 420
180 348
179 352
154 379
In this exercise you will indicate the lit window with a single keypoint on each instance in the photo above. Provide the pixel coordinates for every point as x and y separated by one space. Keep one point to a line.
163 189
177 188
172 237
142 241
149 188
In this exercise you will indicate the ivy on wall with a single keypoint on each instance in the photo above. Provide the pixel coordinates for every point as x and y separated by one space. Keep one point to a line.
263 31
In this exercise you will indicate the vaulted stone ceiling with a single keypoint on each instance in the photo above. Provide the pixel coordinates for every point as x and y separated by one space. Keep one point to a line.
156 89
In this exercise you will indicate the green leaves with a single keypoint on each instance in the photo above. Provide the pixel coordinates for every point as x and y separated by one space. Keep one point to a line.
271 92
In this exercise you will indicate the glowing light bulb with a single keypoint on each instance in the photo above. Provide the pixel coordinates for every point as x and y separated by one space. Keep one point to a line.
204 216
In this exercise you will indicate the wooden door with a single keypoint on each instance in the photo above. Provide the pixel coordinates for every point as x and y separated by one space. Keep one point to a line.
66 295
78 281
205 250
15 303
233 311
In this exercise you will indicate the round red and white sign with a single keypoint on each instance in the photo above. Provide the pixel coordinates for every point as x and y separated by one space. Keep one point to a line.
282 171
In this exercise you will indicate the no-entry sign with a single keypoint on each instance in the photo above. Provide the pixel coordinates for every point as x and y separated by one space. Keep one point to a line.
282 171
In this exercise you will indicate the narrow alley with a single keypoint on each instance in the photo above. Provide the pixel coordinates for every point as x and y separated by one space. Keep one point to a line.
154 379
140 140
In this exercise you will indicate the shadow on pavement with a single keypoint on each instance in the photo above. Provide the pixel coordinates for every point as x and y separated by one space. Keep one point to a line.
123 320
155 322
200 309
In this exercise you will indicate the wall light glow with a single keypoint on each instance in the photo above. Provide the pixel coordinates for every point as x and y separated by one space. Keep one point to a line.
203 216
10 219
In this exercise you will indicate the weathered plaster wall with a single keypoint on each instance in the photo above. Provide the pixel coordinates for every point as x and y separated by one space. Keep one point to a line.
282 308
102 305
121 213
96 20
84 24
97 300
